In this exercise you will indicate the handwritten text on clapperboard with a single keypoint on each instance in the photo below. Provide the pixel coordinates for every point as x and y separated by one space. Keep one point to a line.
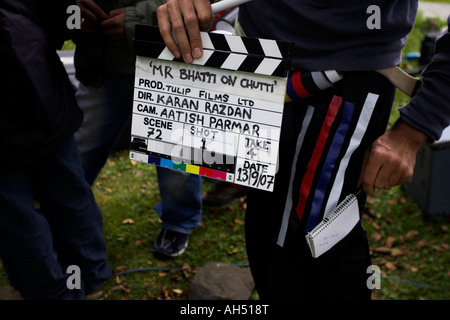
214 122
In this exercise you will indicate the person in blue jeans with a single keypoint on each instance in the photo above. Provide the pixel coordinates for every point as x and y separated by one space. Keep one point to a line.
50 222
104 62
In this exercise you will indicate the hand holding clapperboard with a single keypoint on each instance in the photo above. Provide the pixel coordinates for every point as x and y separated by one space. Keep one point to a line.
219 117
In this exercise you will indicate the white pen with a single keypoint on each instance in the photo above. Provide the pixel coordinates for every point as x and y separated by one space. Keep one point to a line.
225 4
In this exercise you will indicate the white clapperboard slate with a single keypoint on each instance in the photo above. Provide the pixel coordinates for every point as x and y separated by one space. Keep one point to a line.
219 117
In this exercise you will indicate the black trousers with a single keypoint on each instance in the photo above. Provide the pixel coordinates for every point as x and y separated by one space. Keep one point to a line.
322 143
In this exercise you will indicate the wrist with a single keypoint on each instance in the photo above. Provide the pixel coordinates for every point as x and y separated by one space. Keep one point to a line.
413 136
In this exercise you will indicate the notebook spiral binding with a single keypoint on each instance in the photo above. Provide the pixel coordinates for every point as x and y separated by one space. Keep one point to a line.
333 215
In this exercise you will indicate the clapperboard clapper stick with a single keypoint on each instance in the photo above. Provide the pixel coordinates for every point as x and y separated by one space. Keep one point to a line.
225 4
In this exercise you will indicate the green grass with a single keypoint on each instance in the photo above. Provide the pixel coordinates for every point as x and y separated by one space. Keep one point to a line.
126 192
68 45
411 251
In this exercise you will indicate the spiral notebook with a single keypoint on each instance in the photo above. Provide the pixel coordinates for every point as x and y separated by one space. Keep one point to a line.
334 227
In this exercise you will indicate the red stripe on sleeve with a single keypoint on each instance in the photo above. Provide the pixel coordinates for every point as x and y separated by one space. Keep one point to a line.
298 85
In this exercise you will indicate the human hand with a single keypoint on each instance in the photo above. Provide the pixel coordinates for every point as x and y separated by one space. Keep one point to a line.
184 19
91 15
114 27
391 158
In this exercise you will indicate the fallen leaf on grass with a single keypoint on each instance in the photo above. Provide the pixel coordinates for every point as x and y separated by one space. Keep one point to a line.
382 249
128 221
376 226
441 248
139 242
388 220
411 235
390 241
422 244
125 289
390 266
178 291
116 288
414 269
377 236
165 293
175 275
243 202
397 200
148 282
186 270
120 269
395 252
410 267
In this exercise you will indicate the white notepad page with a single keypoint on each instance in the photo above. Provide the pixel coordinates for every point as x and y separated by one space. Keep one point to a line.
334 227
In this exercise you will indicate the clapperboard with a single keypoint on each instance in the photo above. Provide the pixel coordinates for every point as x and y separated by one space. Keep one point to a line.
219 117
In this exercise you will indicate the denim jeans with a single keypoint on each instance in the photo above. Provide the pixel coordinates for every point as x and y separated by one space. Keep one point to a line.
180 208
107 111
49 221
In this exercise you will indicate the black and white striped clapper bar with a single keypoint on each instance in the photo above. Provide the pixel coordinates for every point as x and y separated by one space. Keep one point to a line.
261 56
